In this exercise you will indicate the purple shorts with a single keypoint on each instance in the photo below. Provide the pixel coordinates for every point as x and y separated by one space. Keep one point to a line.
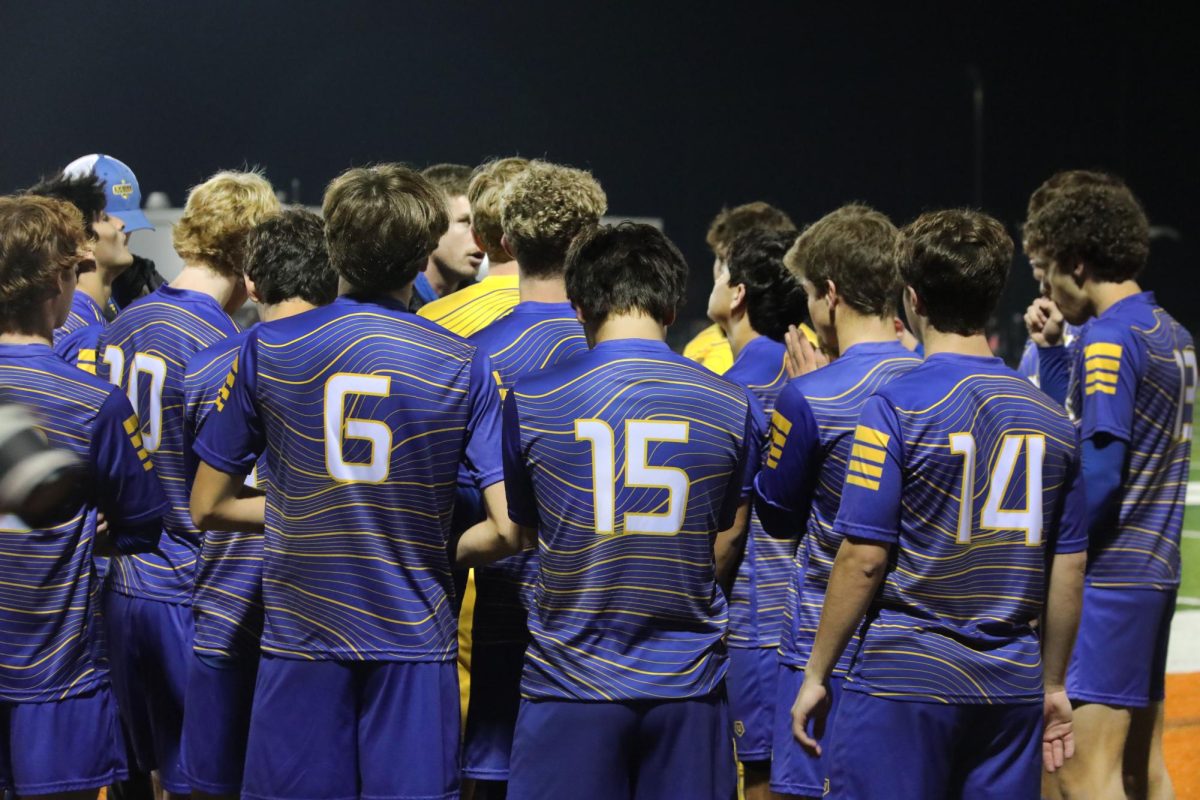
61 746
1120 655
150 651
906 750
793 770
649 750
492 712
216 722
323 730
751 686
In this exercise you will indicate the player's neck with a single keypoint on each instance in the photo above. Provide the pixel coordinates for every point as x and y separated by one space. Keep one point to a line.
501 269
288 308
975 344
96 285
13 337
542 290
739 333
443 282
629 326
1103 295
854 328
200 277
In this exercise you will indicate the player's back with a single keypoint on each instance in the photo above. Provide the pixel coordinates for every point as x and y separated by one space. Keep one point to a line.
532 337
227 597
49 594
833 397
473 308
156 336
757 603
982 460
364 410
1138 384
84 311
635 459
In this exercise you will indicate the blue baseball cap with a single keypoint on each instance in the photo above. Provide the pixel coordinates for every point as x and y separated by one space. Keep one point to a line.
124 196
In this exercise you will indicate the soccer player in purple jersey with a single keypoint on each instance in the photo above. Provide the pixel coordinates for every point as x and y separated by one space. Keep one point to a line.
148 597
1134 385
543 209
364 412
846 263
961 526
59 735
625 463
287 273
754 300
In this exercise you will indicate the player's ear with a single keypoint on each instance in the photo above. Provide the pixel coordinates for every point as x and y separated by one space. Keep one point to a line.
1079 273
831 294
251 289
737 298
913 303
508 248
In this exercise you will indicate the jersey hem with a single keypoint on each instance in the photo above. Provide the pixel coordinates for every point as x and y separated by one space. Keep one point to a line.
867 532
950 700
372 655
79 784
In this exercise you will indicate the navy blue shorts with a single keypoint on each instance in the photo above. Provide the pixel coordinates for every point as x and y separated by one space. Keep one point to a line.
751 687
913 751
150 651
793 770
216 722
325 730
648 750
62 745
1120 655
492 711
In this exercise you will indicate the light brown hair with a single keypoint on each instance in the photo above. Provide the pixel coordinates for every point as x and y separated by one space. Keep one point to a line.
40 237
487 186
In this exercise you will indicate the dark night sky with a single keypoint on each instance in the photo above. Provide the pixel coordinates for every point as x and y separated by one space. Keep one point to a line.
678 108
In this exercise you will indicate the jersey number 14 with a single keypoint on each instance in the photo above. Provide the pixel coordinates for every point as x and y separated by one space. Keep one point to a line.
1029 518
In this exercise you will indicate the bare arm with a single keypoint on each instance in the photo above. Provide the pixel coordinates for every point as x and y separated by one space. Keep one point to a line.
857 573
218 502
729 546
496 537
1064 603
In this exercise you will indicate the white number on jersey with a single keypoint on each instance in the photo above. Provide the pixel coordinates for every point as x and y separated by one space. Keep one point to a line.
339 427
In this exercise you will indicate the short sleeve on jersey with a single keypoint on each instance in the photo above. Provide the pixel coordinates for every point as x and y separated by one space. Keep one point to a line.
756 439
870 507
232 438
518 486
1112 366
793 452
126 487
482 454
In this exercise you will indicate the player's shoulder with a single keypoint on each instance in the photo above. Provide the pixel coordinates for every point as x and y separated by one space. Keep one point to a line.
217 352
81 387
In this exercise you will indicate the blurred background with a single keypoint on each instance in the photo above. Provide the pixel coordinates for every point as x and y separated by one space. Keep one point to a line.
678 108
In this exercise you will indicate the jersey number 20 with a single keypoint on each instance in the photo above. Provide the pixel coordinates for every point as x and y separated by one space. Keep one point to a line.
994 517
639 434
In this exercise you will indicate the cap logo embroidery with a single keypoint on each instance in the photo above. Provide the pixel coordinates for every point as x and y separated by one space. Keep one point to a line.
123 189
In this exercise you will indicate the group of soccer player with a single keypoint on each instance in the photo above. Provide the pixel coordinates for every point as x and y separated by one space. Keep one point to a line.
837 542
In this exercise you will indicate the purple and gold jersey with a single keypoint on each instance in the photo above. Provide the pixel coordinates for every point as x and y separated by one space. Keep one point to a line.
1139 385
156 336
473 308
364 412
227 599
756 606
627 459
84 311
971 475
49 592
812 433
531 337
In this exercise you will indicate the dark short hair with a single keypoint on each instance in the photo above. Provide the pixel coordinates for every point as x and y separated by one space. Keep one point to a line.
775 299
85 192
1102 226
287 259
1068 179
730 223
381 224
453 179
957 261
625 268
855 247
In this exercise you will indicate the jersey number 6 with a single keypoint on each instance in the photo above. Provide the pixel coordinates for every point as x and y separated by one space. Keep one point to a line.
339 427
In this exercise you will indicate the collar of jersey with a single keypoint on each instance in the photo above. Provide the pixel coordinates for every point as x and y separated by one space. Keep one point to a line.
1141 298
544 309
384 300
25 350
876 348
963 358
631 345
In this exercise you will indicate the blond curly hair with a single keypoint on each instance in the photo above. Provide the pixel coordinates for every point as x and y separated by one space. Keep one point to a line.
543 209
219 215
487 185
